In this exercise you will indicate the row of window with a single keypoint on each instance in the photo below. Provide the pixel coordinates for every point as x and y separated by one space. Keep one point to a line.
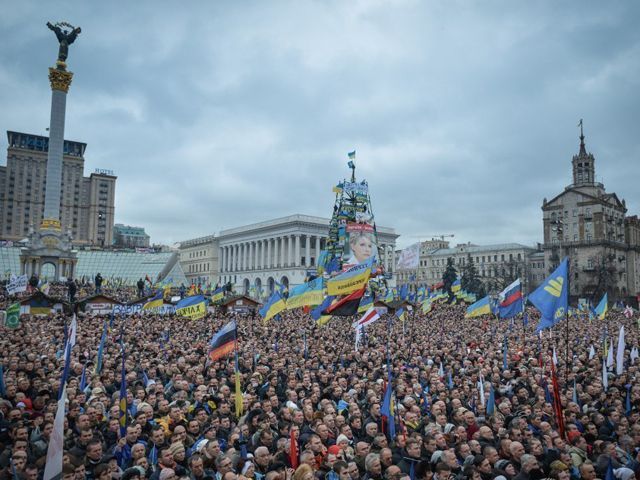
198 267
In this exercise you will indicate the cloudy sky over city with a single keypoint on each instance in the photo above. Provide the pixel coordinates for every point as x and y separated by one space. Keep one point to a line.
218 114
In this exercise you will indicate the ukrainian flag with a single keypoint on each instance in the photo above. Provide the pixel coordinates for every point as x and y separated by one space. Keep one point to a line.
401 314
352 280
274 306
456 286
218 295
306 294
365 304
156 302
481 307
192 307
426 306
602 308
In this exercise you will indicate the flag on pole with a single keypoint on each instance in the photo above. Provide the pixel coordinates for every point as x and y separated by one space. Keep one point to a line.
73 331
367 319
65 370
605 377
505 354
491 403
481 307
510 300
551 298
223 342
123 398
602 308
55 450
620 352
238 393
103 339
12 319
610 354
592 353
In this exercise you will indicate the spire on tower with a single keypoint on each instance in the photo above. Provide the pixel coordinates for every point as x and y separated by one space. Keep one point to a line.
583 150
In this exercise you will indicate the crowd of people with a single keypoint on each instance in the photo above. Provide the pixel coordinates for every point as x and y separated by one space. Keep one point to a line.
312 403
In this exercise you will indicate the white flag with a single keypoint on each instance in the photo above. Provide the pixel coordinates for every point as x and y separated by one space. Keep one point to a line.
73 330
610 355
481 387
634 354
592 352
358 334
555 357
605 379
53 466
620 352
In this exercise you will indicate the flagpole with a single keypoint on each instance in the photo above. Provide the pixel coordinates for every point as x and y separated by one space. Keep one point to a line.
566 314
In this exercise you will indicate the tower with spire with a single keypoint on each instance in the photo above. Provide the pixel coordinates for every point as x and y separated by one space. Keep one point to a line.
583 164
591 227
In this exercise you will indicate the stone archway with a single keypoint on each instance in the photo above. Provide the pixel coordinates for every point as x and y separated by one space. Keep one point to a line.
246 285
285 281
259 292
271 283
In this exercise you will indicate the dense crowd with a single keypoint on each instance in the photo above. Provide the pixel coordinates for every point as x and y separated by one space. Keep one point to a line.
312 403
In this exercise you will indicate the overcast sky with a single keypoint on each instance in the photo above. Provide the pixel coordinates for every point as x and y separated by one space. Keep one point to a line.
218 114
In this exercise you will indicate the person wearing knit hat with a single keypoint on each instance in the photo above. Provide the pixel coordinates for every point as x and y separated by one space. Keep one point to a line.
167 474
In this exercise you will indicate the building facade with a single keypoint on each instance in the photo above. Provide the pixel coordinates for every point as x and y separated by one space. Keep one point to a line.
199 260
86 203
129 237
283 250
590 226
497 265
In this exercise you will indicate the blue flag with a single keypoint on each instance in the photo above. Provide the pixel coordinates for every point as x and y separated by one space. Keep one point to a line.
491 403
387 409
65 371
2 387
552 297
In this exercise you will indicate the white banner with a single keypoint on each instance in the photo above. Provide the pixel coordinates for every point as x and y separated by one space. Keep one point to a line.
136 309
355 188
17 284
409 257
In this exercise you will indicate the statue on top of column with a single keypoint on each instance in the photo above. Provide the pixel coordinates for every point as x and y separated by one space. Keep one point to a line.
66 35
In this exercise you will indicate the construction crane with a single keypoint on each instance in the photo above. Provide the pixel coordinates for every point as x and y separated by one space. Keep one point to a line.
433 237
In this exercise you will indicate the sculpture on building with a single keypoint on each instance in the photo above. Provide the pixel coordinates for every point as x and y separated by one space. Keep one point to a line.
66 35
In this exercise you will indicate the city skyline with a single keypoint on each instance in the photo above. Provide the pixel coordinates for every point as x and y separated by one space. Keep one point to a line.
463 121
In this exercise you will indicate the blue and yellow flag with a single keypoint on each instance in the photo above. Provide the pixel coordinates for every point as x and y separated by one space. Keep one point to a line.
156 302
309 293
273 307
456 285
552 297
98 367
351 280
481 307
401 314
426 306
365 304
194 307
602 308
218 295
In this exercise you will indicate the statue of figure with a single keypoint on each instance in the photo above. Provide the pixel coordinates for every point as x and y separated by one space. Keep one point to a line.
65 36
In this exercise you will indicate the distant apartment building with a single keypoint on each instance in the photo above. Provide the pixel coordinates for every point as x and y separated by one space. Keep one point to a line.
127 236
86 203
495 264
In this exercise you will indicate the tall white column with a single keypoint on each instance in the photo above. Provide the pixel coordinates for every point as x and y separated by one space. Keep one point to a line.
296 261
262 255
242 255
283 245
221 259
317 249
234 257
289 250
252 252
307 253
269 252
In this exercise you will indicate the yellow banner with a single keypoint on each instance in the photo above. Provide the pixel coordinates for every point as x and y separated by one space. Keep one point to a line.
193 312
339 286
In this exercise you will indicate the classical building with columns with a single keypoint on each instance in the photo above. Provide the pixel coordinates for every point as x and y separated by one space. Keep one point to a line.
283 250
